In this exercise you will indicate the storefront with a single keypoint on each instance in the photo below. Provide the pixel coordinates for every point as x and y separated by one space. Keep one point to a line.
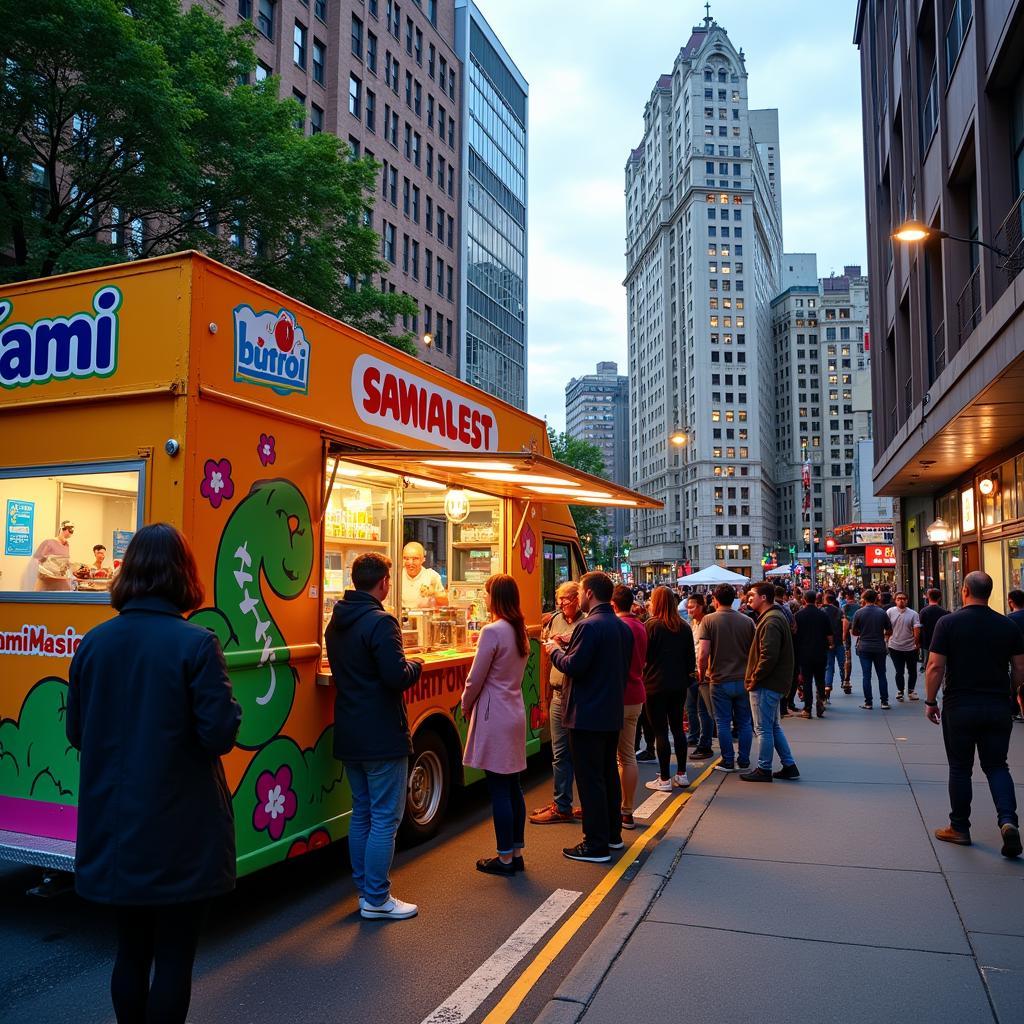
284 444
869 553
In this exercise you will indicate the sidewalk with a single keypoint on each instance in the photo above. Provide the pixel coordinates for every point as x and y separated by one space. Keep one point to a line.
822 899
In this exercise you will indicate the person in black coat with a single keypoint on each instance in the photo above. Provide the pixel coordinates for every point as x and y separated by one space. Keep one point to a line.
150 708
371 730
814 638
596 666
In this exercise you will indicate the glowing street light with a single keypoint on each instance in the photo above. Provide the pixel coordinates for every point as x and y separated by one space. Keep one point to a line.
678 438
428 339
939 532
912 232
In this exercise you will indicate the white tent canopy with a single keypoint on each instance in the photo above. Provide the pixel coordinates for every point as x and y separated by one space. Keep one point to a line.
783 570
713 574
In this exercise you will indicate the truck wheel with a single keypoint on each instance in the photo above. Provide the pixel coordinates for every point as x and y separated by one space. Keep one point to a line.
429 784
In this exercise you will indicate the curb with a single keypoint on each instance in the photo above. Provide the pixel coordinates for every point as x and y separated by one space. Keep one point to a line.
570 1001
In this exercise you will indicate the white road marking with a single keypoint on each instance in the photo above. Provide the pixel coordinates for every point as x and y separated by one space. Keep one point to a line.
650 806
466 999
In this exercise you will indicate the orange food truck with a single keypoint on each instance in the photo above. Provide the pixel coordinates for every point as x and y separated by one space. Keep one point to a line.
283 443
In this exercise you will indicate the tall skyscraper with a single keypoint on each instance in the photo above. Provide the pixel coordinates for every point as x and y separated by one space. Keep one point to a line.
704 244
384 76
822 358
597 410
494 203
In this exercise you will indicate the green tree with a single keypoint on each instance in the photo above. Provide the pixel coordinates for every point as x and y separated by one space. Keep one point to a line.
125 132
583 455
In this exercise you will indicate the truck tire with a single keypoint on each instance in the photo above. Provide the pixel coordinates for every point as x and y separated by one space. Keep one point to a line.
429 786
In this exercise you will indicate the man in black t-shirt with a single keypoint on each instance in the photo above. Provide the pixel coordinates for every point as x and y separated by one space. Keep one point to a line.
1015 599
929 615
981 654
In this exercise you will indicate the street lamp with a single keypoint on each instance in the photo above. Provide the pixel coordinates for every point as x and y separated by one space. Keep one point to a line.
428 339
678 438
939 531
913 231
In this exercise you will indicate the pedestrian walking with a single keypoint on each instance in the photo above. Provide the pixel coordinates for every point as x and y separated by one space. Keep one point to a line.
560 626
767 676
872 628
149 706
849 609
699 714
670 663
904 645
977 658
595 663
836 652
371 731
724 646
814 639
783 601
633 702
929 616
496 742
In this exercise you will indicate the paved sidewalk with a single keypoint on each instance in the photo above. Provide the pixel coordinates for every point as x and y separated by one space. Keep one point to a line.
822 899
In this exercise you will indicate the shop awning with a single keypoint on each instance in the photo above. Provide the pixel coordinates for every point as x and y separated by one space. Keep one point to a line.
524 475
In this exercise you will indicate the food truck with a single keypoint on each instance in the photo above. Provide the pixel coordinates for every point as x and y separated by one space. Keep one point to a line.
284 444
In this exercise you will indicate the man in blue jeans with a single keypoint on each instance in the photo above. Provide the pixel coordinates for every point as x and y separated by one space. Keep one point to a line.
768 675
698 697
872 629
371 731
725 641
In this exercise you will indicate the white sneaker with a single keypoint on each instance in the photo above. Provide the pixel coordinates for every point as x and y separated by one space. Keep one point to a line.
680 781
393 909
661 785
914 696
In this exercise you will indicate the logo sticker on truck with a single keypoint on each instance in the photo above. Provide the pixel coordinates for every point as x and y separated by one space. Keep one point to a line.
81 345
271 350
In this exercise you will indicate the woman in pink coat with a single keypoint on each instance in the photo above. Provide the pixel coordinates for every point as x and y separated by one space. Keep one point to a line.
493 702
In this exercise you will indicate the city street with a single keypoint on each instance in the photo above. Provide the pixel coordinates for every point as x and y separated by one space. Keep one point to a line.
290 945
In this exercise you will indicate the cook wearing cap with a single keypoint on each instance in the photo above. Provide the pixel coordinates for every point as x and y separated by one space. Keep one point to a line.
55 547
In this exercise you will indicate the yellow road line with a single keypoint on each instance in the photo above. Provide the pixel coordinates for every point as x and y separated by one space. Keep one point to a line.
514 997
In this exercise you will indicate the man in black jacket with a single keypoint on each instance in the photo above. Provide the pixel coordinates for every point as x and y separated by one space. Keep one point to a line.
371 731
596 665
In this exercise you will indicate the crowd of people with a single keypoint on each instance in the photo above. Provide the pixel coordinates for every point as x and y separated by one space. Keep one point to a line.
151 710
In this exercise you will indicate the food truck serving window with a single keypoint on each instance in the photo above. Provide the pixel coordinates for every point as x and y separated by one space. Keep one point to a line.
442 550
66 529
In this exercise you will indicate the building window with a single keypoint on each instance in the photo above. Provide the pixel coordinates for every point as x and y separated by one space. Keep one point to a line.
371 111
299 44
355 96
319 61
357 37
371 52
316 119
265 18
320 9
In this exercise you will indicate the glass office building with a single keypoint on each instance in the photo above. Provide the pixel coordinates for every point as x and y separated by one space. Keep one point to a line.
494 202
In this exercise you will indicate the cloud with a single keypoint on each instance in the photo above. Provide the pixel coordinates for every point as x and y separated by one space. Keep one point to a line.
591 71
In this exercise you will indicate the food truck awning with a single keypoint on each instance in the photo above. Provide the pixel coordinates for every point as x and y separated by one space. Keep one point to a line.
527 476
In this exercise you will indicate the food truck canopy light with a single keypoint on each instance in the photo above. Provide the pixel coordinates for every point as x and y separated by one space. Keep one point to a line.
521 475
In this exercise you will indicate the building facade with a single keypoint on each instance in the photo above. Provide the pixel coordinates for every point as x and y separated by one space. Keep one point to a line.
704 245
494 154
943 117
822 375
597 410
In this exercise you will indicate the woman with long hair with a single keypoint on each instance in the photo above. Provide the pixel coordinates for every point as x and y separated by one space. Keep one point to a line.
671 662
150 708
493 702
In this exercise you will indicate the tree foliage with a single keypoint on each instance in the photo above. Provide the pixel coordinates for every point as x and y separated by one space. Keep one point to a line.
125 132
588 457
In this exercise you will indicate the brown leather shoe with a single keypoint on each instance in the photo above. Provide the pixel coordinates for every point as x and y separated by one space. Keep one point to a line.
550 815
951 835
806 713
819 708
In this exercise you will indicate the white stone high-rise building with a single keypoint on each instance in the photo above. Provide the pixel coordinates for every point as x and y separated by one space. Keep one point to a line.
704 245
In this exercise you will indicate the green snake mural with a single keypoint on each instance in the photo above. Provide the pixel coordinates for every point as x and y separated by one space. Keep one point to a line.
269 533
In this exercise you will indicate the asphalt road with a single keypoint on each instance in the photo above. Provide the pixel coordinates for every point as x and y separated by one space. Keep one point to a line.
288 945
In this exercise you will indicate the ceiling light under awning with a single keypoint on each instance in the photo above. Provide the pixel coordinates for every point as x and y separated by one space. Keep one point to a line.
523 475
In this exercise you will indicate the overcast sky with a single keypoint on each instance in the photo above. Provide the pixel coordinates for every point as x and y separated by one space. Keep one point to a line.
591 65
